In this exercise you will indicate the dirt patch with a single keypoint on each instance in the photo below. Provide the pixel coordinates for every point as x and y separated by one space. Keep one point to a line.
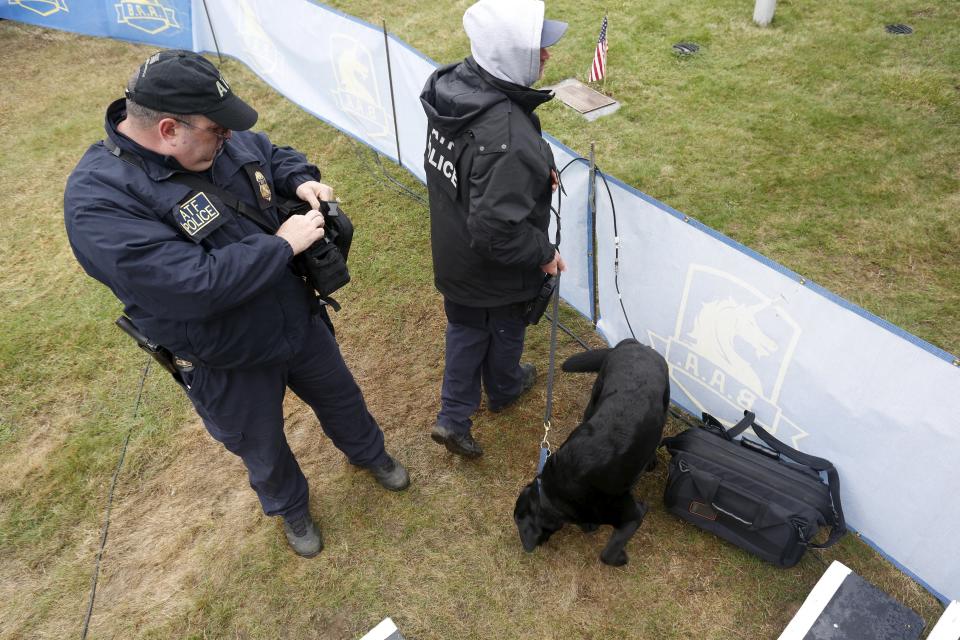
163 532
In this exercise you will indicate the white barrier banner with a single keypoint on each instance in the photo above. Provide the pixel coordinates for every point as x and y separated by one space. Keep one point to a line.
739 333
331 64
410 72
576 233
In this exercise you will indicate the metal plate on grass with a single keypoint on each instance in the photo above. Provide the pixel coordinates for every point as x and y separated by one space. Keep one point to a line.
686 48
899 29
581 97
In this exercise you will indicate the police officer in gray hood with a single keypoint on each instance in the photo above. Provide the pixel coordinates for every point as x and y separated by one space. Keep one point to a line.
490 177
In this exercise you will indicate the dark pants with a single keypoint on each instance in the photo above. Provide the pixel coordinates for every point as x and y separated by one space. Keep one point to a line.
243 410
483 343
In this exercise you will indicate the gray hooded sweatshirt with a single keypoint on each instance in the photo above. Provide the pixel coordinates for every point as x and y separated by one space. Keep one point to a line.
505 38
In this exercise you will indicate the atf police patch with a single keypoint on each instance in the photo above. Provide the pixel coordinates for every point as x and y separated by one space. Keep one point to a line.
198 217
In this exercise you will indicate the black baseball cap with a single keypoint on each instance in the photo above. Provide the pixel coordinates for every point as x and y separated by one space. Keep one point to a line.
184 83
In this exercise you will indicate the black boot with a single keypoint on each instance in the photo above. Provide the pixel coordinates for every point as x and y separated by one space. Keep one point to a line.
460 444
392 475
529 372
303 535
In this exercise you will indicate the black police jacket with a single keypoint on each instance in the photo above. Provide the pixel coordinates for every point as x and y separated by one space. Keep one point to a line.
193 274
488 176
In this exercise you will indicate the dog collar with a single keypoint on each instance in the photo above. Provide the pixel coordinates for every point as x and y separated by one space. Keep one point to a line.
544 454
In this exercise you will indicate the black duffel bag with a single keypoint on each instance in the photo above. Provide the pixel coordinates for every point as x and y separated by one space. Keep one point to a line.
768 500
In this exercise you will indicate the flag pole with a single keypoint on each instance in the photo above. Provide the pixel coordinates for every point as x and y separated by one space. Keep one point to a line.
606 21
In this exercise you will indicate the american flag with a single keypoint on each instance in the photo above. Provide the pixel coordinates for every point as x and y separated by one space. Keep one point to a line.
599 68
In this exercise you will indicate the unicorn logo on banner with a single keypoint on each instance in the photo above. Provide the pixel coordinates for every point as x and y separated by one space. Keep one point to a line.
42 7
149 16
357 85
263 57
718 328
731 349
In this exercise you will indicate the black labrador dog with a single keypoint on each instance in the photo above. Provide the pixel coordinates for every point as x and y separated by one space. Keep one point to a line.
588 480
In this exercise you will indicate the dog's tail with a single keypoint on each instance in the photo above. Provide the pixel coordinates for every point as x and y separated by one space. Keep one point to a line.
587 361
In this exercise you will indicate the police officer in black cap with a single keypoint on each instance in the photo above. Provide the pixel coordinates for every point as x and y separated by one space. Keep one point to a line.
205 281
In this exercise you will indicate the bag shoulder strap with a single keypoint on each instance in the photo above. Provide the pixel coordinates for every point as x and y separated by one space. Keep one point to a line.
839 527
197 183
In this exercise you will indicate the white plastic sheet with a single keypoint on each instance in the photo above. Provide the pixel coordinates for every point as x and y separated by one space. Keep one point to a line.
740 332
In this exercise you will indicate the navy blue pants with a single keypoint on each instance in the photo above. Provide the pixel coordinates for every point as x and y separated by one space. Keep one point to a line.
243 410
482 344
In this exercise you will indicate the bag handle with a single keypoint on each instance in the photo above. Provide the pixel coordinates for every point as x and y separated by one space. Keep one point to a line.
838 527
709 485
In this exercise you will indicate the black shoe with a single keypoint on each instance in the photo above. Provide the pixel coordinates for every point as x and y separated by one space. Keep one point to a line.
529 372
460 444
392 475
303 535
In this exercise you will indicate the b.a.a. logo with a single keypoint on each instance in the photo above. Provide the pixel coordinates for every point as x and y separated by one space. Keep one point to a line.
731 349
358 85
261 50
149 16
42 7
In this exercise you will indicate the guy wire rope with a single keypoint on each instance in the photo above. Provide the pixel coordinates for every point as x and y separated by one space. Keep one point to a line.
216 45
106 523
616 255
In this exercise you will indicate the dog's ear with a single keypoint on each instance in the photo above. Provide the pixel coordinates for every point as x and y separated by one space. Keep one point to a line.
587 361
526 514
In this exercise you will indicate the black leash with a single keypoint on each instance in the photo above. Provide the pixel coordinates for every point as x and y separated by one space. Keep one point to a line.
545 450
548 411
106 523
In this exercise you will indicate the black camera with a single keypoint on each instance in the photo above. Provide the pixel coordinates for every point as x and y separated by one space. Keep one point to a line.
324 264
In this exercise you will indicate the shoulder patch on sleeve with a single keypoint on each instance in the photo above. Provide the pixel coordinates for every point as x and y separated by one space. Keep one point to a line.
198 216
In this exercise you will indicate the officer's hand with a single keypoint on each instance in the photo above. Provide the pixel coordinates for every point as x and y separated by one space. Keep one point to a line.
554 179
555 265
312 192
302 231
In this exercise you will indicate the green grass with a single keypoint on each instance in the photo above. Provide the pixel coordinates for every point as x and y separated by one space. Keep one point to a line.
823 143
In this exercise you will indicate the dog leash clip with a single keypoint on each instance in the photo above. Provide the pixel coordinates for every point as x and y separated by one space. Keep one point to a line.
545 443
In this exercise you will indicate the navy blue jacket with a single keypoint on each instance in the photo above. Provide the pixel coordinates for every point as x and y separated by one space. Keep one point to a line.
193 275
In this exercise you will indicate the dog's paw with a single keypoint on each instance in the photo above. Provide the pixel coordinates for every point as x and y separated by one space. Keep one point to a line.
615 559
588 527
